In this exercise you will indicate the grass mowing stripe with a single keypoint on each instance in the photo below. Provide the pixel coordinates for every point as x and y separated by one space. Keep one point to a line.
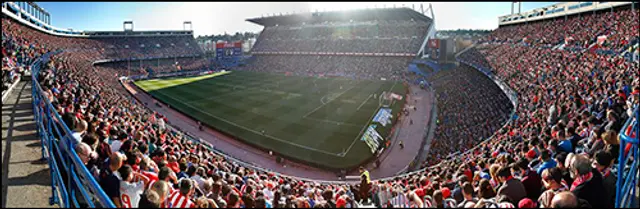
276 104
251 130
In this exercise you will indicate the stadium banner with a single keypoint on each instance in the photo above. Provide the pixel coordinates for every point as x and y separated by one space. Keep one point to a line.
383 116
372 138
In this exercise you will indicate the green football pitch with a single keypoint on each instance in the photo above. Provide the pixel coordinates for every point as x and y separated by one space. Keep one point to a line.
315 120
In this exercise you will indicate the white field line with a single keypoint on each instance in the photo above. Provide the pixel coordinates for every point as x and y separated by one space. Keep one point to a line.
365 101
323 104
256 132
365 126
334 122
241 88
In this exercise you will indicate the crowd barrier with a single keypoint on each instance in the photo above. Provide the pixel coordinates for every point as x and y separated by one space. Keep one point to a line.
628 163
72 185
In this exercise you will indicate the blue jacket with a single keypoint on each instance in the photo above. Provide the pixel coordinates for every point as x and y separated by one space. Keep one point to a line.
565 146
547 164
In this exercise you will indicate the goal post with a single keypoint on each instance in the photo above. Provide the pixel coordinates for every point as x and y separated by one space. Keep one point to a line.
385 99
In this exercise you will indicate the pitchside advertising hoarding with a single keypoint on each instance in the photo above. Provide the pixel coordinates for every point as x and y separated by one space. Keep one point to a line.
372 138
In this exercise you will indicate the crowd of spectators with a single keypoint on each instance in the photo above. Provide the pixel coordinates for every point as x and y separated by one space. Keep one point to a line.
557 153
471 107
358 67
357 37
620 26
164 65
146 47
17 55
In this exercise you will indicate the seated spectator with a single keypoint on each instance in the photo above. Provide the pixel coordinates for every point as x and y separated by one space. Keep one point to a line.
530 179
602 162
587 182
547 161
511 187
564 200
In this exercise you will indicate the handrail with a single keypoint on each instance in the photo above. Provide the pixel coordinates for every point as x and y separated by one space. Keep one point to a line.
62 151
626 183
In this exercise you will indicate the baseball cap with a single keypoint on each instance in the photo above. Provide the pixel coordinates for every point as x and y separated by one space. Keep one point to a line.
527 203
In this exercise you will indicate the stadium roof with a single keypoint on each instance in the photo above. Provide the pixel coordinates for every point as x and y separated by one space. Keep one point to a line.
356 15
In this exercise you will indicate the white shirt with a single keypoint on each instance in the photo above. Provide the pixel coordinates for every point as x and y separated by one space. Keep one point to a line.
199 180
77 136
130 193
115 145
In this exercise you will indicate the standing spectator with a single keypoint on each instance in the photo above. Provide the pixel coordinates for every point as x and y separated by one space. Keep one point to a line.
182 197
131 190
365 183
109 180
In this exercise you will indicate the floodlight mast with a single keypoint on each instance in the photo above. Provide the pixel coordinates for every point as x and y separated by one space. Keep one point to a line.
184 26
125 23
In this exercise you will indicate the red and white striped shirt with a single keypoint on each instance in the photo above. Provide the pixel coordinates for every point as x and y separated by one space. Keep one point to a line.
177 200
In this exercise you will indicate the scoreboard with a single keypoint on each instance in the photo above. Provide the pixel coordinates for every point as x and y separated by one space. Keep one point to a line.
440 50
433 49
226 50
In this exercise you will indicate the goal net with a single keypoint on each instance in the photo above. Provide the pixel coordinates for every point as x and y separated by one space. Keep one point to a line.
385 99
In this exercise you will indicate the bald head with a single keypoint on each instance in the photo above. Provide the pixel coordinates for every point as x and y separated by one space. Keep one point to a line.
564 200
84 151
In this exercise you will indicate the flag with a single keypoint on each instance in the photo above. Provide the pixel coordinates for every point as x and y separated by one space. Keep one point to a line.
601 39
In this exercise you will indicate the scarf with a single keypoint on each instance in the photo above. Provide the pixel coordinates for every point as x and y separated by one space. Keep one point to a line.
581 179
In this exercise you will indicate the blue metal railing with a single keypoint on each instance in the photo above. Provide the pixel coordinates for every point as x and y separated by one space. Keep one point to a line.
626 185
72 185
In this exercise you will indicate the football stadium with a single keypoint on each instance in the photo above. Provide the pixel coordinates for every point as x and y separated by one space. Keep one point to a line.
361 105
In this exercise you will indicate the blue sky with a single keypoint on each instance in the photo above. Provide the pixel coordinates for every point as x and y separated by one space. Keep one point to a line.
220 17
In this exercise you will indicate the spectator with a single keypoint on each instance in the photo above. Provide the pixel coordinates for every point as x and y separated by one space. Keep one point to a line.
468 194
547 162
564 200
182 197
512 188
587 183
552 180
531 180
131 190
109 180
602 162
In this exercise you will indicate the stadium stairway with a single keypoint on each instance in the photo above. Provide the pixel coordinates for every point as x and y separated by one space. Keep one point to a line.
26 181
